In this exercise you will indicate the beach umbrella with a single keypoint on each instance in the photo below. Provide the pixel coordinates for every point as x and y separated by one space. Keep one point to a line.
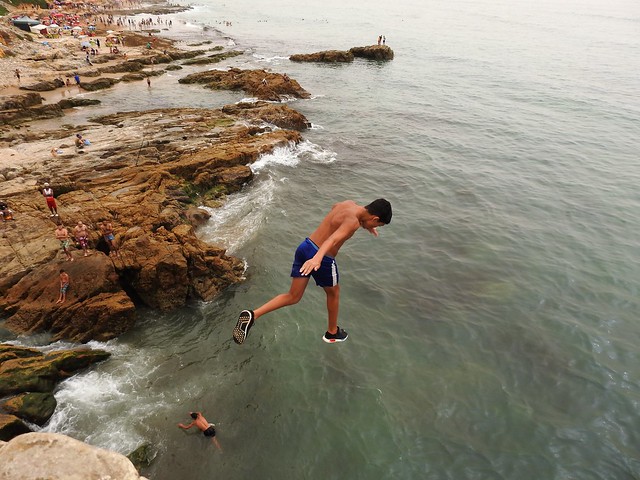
77 28
110 31
85 44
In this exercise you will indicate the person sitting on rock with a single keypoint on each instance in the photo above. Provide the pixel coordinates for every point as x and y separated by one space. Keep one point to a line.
5 212
79 141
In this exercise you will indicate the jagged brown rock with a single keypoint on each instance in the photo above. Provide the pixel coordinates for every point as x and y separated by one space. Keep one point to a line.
44 86
35 407
142 172
41 372
373 52
11 426
259 83
327 56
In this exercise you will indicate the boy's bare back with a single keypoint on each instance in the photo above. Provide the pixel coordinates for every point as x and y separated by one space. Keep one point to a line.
343 215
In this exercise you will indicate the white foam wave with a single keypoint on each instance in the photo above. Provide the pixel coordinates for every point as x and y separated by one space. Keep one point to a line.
248 100
274 59
116 398
239 219
291 155
232 225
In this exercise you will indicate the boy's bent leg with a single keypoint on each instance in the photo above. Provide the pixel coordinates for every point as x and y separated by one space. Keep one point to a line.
293 296
247 317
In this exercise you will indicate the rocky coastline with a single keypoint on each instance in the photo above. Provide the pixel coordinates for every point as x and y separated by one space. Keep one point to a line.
147 173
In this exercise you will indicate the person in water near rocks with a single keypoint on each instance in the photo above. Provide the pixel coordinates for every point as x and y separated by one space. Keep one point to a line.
315 257
47 191
208 429
64 286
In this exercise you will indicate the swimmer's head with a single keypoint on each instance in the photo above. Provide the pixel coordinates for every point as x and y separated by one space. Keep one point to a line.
194 415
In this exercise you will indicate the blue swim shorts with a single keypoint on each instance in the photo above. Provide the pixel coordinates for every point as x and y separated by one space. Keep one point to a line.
326 275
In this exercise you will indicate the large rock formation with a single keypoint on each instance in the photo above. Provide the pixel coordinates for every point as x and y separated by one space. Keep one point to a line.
372 52
32 375
258 83
327 56
51 456
142 172
97 308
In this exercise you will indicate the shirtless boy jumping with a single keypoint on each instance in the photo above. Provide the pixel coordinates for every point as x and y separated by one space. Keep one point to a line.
315 257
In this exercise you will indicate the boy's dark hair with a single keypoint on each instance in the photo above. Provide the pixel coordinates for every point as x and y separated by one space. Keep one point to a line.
61 271
381 209
194 415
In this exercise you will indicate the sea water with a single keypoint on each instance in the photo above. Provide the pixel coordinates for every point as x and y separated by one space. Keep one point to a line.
493 325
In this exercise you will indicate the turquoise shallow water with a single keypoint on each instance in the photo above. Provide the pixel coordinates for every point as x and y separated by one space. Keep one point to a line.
492 325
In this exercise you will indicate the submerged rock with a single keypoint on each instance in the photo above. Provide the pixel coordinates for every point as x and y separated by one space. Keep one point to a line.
142 456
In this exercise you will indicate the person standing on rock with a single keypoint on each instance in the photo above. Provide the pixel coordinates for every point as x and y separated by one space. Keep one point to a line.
64 286
76 77
18 74
47 191
81 233
315 257
106 228
208 429
63 237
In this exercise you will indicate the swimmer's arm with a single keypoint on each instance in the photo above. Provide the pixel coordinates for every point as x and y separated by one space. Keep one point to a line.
187 426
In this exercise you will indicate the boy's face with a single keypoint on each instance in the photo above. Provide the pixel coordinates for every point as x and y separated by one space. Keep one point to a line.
371 225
